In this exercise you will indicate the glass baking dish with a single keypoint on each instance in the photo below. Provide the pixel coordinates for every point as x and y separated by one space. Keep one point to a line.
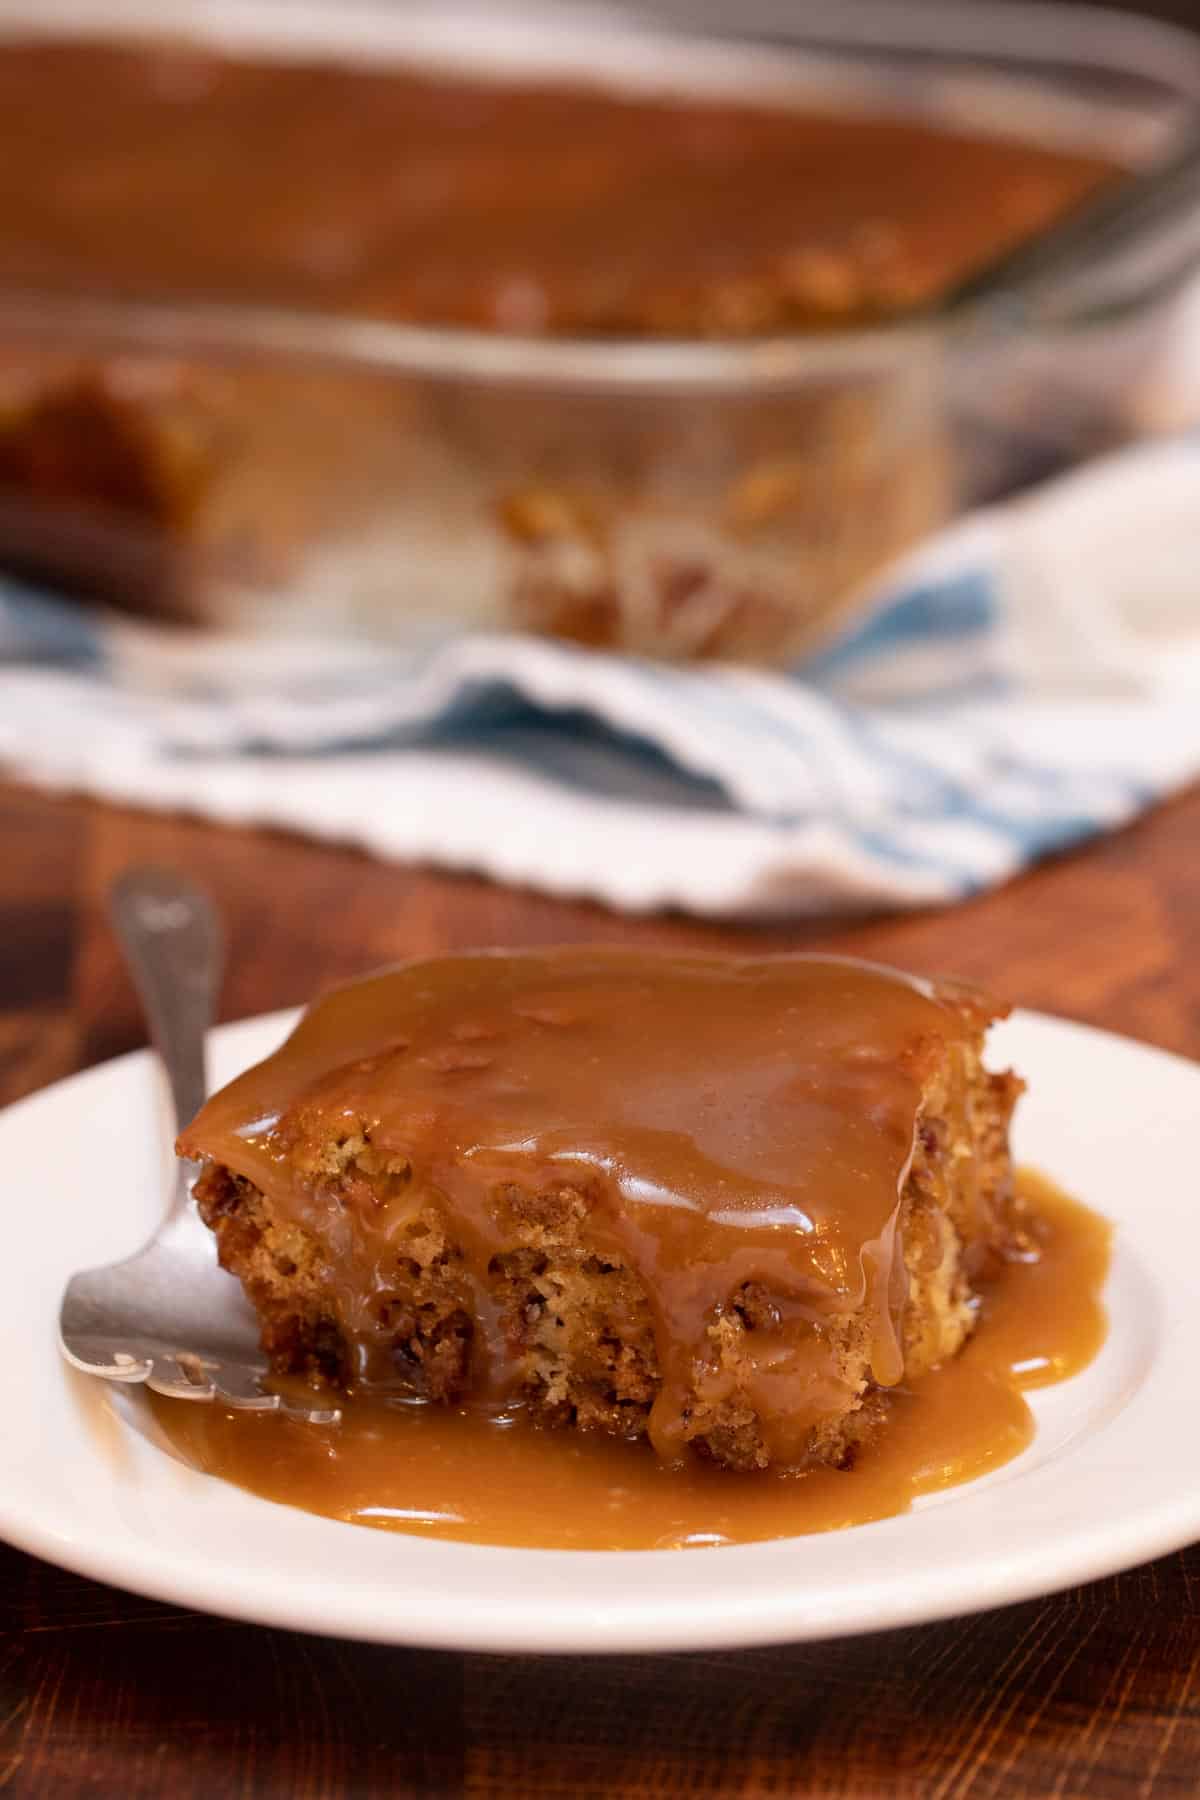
272 470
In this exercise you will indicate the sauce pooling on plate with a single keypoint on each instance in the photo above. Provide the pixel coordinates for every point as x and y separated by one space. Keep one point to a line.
495 1478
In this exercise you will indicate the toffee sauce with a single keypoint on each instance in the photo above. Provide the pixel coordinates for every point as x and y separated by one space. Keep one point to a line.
491 1477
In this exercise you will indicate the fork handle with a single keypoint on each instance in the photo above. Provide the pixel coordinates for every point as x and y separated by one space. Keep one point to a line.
168 930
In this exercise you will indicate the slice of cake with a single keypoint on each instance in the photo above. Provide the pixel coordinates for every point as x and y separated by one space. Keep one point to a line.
722 1202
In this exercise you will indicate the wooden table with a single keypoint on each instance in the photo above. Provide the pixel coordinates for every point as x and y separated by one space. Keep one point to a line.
1089 1693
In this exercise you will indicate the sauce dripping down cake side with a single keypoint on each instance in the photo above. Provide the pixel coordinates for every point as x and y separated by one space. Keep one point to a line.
728 1204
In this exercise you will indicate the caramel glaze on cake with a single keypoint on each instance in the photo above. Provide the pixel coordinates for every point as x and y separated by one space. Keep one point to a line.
168 170
724 1203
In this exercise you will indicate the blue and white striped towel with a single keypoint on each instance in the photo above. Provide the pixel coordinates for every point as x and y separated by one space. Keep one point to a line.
1029 679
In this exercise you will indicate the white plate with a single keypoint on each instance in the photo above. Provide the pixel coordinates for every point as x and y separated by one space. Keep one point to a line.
1112 1477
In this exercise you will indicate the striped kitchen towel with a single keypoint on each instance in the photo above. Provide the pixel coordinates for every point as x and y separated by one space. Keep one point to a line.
1027 680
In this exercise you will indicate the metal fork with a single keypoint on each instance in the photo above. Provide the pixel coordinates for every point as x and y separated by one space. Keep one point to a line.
170 1316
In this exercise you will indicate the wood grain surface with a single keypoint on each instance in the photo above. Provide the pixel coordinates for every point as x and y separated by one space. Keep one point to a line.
1090 1693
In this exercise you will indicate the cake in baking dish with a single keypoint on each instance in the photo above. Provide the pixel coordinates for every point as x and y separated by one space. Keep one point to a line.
229 241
